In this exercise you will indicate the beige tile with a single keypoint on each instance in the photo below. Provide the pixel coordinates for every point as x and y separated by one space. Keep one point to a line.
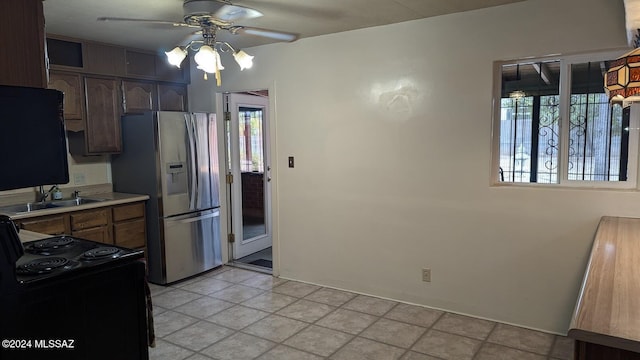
174 298
465 326
275 328
491 351
167 351
237 317
237 293
318 340
563 348
363 349
184 283
170 321
523 339
264 282
206 286
235 275
305 310
296 289
394 332
204 307
330 296
238 347
269 301
199 335
349 321
447 346
158 289
157 310
412 314
370 305
412 355
197 357
216 271
282 352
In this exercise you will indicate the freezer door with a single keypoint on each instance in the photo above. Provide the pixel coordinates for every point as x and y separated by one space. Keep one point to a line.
176 163
192 244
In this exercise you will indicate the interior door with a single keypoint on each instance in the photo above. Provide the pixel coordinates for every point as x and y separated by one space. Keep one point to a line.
249 164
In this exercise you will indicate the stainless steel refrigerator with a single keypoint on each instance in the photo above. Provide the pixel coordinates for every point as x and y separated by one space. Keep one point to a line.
173 158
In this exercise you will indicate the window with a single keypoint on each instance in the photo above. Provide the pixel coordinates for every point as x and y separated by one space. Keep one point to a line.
555 124
251 148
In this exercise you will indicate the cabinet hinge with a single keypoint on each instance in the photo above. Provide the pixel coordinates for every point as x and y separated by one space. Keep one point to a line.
229 178
227 116
231 237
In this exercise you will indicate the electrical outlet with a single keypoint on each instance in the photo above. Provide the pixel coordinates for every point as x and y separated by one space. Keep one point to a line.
426 275
78 179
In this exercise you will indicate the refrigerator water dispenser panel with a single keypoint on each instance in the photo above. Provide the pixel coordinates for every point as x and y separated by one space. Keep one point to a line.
176 177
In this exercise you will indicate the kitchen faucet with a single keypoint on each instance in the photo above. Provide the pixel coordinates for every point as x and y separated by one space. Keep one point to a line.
43 194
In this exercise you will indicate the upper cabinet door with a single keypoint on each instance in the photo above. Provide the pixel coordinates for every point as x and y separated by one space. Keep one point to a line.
103 116
138 96
71 86
172 97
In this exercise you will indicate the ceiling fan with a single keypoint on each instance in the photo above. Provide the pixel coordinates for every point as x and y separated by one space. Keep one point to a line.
217 14
211 16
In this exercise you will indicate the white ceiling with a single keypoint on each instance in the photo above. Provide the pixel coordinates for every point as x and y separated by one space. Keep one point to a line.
77 18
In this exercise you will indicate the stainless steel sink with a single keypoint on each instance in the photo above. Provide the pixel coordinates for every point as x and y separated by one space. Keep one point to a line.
29 207
74 202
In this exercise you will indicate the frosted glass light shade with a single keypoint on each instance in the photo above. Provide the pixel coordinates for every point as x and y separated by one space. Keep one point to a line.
176 56
243 59
208 59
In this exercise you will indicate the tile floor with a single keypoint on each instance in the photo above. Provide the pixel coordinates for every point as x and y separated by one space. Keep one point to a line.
236 314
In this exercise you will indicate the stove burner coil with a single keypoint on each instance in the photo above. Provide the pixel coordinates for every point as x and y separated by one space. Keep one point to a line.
42 265
100 252
53 243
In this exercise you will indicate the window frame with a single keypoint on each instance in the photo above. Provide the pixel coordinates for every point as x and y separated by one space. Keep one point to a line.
564 98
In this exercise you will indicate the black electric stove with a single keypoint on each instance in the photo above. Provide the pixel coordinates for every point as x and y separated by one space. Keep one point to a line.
62 256
71 290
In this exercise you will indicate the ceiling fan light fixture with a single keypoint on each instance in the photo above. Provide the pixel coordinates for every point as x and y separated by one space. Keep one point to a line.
176 56
243 59
208 59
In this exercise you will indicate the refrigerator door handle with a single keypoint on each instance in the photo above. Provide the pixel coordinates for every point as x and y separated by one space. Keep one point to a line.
193 179
191 218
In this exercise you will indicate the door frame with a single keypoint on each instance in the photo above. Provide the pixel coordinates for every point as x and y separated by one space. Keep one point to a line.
226 225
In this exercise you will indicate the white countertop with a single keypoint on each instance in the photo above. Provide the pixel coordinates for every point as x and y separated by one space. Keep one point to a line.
26 235
110 199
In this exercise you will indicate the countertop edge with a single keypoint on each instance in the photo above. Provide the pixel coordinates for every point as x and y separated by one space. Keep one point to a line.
110 199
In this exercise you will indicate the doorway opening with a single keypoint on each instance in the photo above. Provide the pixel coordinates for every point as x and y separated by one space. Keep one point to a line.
248 180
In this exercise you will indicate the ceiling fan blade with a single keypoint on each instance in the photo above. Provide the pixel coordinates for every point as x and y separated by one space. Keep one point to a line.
161 22
233 13
271 34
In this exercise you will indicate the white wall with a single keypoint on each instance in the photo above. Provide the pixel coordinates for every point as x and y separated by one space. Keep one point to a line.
88 170
391 127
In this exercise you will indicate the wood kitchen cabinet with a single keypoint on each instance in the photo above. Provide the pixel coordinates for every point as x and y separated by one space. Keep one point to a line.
123 225
129 226
172 97
92 225
52 224
104 59
22 59
71 85
138 96
102 132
